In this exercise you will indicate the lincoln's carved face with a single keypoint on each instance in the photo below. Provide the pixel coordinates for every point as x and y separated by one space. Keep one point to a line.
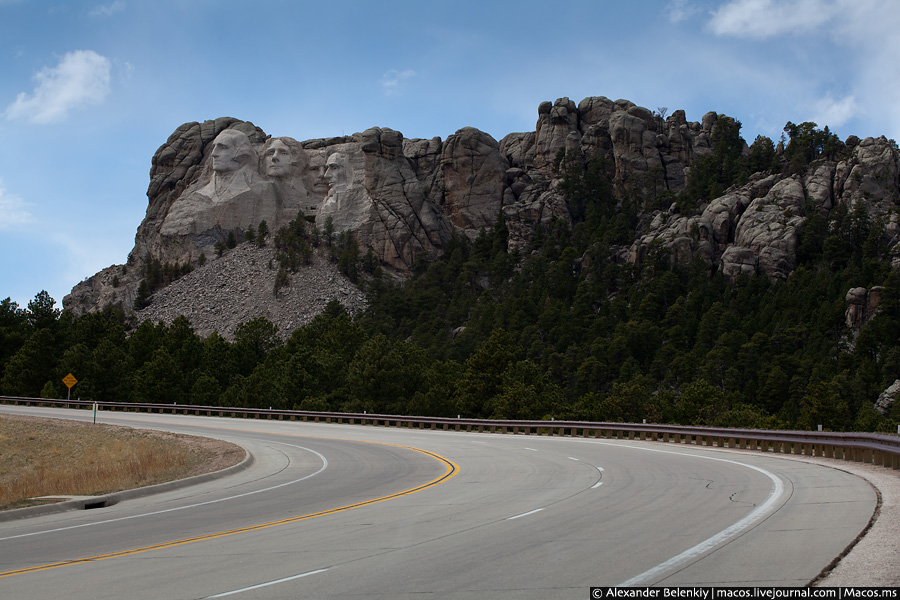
277 159
336 171
231 150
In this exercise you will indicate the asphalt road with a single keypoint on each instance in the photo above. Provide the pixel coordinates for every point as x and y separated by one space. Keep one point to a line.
339 511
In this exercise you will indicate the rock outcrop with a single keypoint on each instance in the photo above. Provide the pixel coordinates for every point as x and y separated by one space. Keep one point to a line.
405 198
888 398
862 305
755 228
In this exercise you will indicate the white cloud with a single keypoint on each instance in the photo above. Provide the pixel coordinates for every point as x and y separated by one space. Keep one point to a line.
391 81
680 10
13 210
834 113
80 79
107 10
768 18
860 34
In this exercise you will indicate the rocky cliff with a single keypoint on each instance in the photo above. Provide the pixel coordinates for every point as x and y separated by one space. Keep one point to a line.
755 228
405 198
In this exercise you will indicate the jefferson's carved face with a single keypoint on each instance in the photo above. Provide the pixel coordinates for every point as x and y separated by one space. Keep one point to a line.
336 171
278 159
316 173
230 149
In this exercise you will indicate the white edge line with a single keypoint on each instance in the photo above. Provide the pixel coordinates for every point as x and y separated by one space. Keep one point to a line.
572 458
729 532
177 508
596 485
530 512
267 584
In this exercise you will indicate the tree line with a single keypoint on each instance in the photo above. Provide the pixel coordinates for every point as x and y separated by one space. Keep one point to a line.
562 331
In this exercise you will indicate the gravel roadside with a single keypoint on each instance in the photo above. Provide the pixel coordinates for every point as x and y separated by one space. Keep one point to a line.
874 560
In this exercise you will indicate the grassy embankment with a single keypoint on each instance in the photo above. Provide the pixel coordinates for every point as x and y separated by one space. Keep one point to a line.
55 457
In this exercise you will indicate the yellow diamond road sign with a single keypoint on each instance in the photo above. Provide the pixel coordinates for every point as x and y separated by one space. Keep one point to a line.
69 380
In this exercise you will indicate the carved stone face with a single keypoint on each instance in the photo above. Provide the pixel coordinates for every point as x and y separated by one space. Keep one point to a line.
230 151
316 174
277 159
336 171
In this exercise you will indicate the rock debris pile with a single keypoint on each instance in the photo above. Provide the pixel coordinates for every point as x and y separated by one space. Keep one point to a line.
238 286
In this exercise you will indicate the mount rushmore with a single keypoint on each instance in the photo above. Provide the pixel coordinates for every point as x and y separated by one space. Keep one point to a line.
405 198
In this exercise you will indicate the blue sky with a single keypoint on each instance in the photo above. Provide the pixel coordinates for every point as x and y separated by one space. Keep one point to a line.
89 90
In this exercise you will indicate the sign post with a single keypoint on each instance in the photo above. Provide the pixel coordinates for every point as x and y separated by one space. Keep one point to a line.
70 382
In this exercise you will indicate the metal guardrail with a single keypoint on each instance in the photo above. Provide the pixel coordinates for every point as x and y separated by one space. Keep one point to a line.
877 449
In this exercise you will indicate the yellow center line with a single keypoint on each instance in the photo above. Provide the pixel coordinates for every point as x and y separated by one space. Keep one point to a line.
451 470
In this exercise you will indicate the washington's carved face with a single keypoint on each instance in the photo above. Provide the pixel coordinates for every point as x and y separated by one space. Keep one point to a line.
230 149
277 159
336 171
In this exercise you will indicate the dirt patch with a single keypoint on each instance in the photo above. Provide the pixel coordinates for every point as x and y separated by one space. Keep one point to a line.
58 457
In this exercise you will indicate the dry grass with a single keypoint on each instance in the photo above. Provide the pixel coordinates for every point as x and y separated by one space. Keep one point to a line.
54 457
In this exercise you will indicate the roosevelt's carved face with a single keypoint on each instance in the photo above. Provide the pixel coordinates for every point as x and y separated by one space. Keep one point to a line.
231 149
277 159
336 171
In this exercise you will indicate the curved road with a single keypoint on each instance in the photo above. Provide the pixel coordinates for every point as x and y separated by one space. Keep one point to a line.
338 511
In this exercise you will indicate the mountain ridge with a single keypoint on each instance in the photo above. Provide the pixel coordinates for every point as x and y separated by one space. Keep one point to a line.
404 199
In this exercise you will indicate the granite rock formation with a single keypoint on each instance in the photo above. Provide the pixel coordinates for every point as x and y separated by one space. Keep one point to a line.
862 305
888 398
755 228
405 198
